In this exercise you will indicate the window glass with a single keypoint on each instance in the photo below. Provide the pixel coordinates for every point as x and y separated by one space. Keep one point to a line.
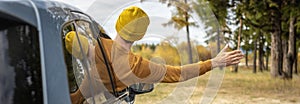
82 73
20 67
75 66
68 59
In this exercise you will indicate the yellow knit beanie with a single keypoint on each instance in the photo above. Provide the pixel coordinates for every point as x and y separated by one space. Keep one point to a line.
132 23
72 44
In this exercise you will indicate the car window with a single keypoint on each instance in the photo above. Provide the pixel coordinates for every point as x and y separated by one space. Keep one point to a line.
20 65
68 60
75 67
82 72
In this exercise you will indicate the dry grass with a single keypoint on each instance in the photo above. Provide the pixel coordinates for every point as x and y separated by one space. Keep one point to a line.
242 87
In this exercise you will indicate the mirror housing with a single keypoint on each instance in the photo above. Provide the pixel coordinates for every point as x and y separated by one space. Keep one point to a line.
141 88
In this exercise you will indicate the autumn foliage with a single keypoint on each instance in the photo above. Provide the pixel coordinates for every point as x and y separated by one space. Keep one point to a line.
171 54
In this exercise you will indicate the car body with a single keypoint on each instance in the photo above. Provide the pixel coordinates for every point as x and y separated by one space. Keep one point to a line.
35 65
33 68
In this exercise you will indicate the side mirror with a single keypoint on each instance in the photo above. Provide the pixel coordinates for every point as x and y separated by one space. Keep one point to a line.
141 88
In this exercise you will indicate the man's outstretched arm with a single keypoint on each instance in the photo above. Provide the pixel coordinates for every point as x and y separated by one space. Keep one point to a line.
151 72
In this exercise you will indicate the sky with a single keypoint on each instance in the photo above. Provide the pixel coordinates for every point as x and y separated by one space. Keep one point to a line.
106 12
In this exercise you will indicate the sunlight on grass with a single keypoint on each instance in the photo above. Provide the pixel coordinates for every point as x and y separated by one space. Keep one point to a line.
241 87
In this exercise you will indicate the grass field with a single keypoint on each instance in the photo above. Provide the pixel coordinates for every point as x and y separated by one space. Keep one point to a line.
243 87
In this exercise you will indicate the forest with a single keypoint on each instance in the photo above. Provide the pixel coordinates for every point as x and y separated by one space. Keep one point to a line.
267 31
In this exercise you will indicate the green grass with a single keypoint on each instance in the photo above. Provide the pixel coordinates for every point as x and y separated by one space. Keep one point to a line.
241 87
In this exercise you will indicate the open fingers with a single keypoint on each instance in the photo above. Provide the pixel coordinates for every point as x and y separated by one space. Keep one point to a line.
233 62
235 55
237 58
234 58
235 52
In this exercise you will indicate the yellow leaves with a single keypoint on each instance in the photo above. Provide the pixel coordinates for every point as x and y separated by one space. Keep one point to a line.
203 53
170 54
179 20
143 50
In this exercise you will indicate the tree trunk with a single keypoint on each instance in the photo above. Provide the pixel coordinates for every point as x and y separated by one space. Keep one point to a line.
284 51
188 36
296 63
239 42
291 49
189 45
267 60
261 53
246 58
240 33
236 68
276 50
296 55
254 57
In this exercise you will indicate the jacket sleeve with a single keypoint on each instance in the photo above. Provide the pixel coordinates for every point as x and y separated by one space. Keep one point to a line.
151 72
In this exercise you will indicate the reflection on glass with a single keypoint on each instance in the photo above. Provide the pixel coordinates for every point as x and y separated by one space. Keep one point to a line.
20 69
83 76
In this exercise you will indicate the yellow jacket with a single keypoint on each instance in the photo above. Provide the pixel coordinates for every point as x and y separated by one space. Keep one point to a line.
130 69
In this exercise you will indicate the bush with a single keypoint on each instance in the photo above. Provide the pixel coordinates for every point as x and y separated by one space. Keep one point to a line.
203 53
170 54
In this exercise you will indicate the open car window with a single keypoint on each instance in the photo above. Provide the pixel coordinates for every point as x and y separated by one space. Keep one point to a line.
78 66
83 75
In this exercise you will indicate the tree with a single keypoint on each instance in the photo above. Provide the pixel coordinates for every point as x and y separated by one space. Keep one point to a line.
291 48
276 50
261 41
254 57
297 45
291 11
181 19
238 19
246 44
239 40
255 18
213 13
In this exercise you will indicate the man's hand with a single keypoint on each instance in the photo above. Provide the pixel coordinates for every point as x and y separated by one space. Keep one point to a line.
227 58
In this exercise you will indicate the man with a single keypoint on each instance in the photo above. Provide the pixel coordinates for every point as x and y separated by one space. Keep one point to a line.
129 68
